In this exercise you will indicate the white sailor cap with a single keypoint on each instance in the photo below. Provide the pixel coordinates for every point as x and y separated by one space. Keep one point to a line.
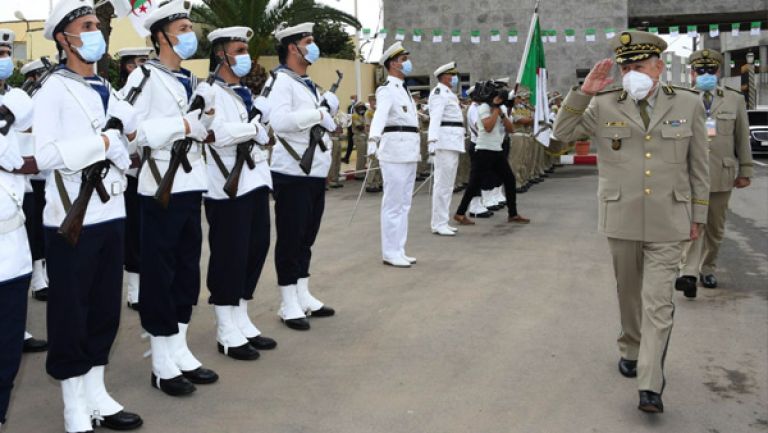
393 51
135 52
63 13
168 12
448 68
286 34
32 67
7 37
241 34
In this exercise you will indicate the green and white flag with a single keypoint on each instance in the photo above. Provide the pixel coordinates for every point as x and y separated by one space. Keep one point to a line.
437 36
692 32
590 35
674 31
570 35
714 30
400 34
533 75
383 33
654 30
366 33
137 11
610 33
512 36
495 36
735 30
456 36
417 33
551 36
474 36
754 28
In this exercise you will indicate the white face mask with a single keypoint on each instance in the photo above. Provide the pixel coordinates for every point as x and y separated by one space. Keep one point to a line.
637 84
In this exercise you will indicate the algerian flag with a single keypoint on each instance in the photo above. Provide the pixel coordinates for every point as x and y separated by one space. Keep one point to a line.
674 31
512 36
417 35
456 36
552 36
735 30
610 33
137 10
714 30
495 36
533 75
437 36
400 34
754 28
570 35
474 36
692 32
383 33
654 30
366 33
590 34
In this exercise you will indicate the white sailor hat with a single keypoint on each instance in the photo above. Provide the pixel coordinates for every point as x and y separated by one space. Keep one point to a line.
448 68
393 51
286 34
32 67
242 34
168 12
63 13
7 37
135 52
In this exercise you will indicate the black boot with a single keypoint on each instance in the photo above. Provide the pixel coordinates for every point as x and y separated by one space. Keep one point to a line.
262 343
650 402
246 352
628 368
32 345
121 421
687 285
176 386
201 376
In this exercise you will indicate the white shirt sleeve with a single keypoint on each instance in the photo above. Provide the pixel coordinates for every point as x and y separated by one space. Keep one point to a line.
283 117
383 105
436 109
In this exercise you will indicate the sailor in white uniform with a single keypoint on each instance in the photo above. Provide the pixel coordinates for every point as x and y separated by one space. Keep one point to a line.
394 139
71 110
239 225
446 143
296 106
171 238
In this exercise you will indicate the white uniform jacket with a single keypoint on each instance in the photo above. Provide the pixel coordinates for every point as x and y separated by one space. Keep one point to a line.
15 257
69 116
160 109
231 127
446 123
395 107
294 109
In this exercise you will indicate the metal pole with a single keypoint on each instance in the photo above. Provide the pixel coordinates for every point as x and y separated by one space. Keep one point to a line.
752 87
358 81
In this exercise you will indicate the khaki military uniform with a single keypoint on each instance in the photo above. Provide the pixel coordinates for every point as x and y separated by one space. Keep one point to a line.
519 144
462 174
423 167
653 184
730 156
360 140
335 170
375 180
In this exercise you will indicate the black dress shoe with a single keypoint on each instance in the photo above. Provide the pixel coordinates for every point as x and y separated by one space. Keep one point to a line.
420 178
32 345
687 285
709 281
323 311
628 368
262 343
486 214
201 376
246 352
176 386
494 207
300 324
650 402
521 190
40 295
372 189
121 421
133 305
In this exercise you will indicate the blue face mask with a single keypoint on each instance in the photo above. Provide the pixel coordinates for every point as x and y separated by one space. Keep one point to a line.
6 68
94 46
706 82
242 65
187 45
313 53
454 80
407 67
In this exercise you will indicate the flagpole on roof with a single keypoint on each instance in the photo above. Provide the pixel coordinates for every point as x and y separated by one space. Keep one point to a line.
528 39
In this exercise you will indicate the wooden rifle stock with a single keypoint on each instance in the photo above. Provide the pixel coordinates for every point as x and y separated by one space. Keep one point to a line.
72 224
316 135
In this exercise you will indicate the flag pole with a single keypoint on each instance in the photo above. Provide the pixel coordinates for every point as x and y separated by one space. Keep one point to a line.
528 40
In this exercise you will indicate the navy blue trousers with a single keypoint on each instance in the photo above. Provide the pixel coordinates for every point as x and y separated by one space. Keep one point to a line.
171 242
239 242
86 286
132 252
34 203
13 320
299 206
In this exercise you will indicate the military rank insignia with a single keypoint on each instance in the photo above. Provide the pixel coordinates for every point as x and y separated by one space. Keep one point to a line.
616 144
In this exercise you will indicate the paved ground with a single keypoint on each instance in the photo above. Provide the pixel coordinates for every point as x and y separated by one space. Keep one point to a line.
501 329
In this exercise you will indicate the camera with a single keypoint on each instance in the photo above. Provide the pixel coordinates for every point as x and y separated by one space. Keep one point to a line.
487 91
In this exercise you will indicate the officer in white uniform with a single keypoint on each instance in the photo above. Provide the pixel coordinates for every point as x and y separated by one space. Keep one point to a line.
446 143
394 139
239 227
171 238
130 59
295 107
86 279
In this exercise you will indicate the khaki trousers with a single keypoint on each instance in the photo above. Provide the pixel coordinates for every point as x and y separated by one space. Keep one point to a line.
701 254
645 275
361 149
516 158
374 175
335 170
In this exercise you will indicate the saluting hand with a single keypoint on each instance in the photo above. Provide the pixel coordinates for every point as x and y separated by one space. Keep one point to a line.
599 77
695 231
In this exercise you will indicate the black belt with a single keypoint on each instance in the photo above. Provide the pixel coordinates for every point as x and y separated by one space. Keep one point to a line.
457 124
401 129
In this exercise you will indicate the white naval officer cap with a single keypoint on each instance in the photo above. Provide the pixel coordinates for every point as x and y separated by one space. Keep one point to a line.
285 34
7 36
393 51
168 12
63 13
135 52
448 68
226 34
32 66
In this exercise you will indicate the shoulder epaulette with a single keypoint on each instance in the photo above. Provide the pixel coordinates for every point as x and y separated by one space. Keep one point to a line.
672 89
603 92
437 90
386 83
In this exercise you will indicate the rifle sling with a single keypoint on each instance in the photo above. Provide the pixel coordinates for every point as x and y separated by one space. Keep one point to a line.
65 201
147 156
291 151
219 162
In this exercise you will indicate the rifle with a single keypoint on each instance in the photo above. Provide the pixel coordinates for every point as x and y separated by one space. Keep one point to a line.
31 86
180 149
93 175
244 150
316 135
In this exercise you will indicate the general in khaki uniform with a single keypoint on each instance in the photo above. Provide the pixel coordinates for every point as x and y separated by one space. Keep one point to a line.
359 138
730 164
653 186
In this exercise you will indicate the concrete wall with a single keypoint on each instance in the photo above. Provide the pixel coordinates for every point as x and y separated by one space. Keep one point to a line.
645 8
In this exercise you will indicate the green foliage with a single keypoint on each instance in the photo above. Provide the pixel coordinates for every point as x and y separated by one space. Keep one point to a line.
16 79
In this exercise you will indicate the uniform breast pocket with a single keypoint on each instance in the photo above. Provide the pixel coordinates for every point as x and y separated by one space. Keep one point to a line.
726 123
609 217
612 142
675 143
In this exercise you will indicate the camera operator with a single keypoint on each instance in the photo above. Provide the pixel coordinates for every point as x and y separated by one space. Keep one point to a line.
493 124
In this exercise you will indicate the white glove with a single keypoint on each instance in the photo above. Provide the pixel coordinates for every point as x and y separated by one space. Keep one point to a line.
20 104
117 152
327 121
431 147
10 158
205 91
431 159
372 147
332 101
197 130
261 104
126 113
261 136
